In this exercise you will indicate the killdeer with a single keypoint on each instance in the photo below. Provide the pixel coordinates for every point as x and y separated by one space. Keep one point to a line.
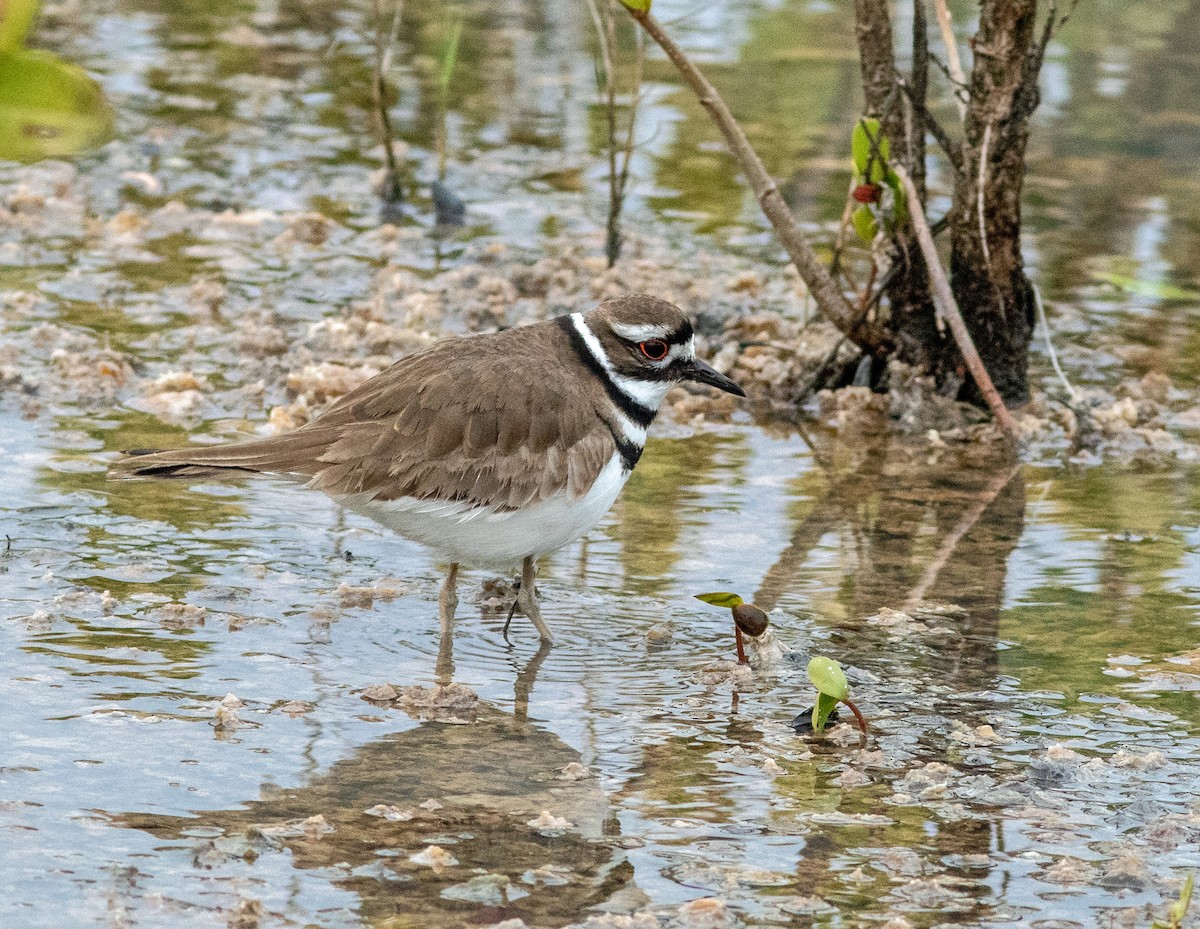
492 450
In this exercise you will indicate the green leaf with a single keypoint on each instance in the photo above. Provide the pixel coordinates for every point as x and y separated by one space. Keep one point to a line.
48 107
1180 907
828 677
864 223
820 716
16 16
721 598
867 131
638 6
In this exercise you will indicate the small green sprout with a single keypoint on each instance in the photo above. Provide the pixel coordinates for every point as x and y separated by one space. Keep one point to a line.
1179 908
748 619
832 688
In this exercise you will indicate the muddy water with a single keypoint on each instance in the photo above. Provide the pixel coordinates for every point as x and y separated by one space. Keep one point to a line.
1035 730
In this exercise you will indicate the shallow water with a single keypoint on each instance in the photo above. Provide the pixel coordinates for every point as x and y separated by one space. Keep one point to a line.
1056 604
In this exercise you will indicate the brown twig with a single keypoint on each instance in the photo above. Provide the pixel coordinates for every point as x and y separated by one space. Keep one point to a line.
819 372
816 276
864 300
953 62
385 41
948 308
839 242
620 154
934 128
920 91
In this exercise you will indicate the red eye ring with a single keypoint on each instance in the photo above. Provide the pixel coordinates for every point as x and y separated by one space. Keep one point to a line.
654 349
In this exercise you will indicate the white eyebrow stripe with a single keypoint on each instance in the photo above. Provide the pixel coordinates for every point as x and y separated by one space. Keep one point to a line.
641 333
685 351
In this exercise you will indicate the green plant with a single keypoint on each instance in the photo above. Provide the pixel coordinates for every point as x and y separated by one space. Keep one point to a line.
832 688
48 107
1179 908
748 619
16 17
869 151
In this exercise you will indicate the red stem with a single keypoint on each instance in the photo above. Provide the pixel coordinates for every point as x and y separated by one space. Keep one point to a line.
862 723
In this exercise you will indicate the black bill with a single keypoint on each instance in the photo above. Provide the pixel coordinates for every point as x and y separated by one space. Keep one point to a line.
707 374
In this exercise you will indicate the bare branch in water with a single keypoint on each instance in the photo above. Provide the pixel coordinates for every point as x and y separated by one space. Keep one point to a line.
387 32
620 151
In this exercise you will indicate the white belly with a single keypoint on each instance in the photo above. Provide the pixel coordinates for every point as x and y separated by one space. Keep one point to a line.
488 538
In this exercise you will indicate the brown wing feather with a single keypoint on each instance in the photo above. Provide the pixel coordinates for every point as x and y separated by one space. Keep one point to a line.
498 426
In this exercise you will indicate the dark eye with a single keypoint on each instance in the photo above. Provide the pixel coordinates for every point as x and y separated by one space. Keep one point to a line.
654 349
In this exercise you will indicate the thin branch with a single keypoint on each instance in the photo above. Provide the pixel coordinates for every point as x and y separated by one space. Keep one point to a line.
953 62
620 155
819 371
934 128
816 276
385 40
981 187
864 301
603 19
639 70
839 242
948 308
920 91
961 92
1041 315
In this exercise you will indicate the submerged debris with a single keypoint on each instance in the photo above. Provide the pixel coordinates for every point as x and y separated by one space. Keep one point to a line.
434 857
446 702
363 598
380 693
548 822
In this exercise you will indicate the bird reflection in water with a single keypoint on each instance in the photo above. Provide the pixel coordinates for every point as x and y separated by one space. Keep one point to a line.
476 791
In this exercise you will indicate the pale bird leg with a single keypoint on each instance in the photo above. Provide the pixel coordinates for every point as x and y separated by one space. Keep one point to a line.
448 597
527 600
447 604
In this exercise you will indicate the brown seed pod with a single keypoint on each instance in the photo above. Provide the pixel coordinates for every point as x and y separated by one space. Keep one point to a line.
866 193
750 619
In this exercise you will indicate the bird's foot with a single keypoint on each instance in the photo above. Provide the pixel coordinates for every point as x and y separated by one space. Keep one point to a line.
527 600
